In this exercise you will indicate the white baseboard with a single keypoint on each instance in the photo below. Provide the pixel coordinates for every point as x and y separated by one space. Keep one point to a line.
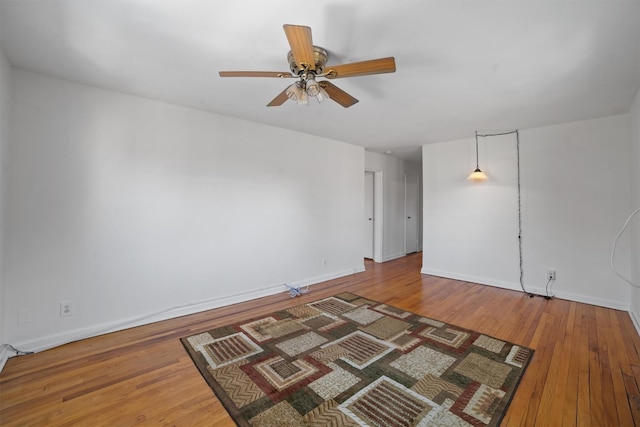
50 341
472 279
635 321
53 340
330 276
393 256
602 302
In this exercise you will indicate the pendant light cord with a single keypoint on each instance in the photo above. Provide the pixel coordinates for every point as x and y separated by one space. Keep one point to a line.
477 162
519 201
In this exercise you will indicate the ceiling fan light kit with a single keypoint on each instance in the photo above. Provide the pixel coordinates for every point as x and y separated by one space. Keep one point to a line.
307 62
297 93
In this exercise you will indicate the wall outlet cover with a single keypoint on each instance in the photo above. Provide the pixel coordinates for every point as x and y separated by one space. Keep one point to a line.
66 308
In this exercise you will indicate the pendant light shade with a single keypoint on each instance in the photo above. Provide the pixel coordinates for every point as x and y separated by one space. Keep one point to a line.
477 175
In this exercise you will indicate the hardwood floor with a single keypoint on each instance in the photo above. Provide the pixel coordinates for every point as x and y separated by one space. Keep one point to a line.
585 370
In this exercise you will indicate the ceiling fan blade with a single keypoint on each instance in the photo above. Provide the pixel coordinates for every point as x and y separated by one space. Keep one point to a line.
281 74
299 38
279 99
337 94
373 66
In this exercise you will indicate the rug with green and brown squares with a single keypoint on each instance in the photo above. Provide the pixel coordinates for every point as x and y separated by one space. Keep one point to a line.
351 361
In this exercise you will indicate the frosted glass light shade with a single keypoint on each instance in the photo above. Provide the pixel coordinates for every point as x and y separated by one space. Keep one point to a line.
313 88
477 176
294 91
303 99
322 95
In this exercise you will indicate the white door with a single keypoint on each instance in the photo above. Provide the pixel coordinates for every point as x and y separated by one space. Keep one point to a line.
368 215
411 213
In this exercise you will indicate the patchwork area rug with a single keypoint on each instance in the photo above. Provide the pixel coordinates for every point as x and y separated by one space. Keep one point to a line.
350 361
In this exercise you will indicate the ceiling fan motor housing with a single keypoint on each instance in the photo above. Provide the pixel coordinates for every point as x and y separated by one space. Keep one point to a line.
320 57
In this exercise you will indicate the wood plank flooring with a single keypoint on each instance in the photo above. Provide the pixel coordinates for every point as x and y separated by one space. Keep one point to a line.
585 371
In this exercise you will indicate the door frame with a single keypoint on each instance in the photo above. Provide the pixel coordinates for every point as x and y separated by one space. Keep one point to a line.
416 214
378 208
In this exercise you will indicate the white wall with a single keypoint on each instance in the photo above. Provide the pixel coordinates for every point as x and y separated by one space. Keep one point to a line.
634 229
393 174
127 207
5 95
413 172
575 196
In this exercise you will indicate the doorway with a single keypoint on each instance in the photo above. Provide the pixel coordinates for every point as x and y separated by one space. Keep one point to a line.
372 239
369 200
411 223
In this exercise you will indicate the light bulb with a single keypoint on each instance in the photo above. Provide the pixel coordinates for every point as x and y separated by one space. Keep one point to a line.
313 88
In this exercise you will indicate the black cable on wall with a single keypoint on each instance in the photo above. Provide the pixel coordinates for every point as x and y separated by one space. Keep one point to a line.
520 257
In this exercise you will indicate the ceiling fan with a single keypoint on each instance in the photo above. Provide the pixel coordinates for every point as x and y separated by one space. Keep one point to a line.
308 62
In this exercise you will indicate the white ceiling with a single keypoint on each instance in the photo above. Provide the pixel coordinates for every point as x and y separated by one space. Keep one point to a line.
461 65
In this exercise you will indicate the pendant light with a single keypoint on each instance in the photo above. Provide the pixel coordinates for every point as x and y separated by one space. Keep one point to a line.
477 175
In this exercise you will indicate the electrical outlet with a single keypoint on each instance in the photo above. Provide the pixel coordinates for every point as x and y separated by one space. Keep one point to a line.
551 275
66 308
